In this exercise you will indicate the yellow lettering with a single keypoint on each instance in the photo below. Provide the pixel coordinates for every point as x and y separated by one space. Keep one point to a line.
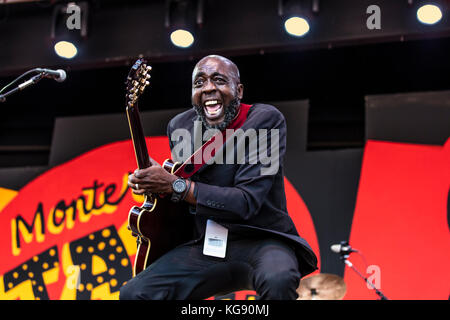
23 291
69 292
19 227
6 196
91 202
70 217
103 292
82 215
59 214
128 240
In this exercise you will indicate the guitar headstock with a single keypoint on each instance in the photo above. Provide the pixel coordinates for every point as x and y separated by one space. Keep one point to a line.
137 81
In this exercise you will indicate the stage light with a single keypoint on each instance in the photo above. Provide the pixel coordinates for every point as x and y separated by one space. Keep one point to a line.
182 19
429 14
66 49
296 26
297 15
69 28
182 38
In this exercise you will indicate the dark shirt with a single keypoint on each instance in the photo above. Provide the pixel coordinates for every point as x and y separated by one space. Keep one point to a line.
242 196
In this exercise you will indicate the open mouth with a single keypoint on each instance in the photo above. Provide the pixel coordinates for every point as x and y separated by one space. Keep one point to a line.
213 107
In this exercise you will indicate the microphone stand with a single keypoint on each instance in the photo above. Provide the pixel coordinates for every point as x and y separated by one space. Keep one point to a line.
344 258
22 86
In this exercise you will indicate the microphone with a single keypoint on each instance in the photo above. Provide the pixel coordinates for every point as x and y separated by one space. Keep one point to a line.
59 75
342 248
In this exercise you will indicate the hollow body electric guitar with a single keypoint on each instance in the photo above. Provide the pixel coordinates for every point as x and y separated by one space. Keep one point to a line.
159 224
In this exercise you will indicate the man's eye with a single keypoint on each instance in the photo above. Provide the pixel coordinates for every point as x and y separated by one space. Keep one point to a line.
220 80
198 83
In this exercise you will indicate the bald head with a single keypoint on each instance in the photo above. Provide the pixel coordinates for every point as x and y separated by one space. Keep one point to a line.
231 65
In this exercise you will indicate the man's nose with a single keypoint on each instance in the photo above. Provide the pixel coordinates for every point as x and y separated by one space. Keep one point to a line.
209 86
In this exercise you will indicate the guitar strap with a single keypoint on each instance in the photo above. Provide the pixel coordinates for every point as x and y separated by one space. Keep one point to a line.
189 167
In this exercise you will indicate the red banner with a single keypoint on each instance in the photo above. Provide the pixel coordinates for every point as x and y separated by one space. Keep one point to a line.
64 235
401 223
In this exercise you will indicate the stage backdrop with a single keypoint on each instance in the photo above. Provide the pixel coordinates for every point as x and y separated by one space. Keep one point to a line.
65 236
63 228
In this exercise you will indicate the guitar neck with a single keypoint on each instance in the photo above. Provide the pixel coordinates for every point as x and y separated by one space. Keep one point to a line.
138 137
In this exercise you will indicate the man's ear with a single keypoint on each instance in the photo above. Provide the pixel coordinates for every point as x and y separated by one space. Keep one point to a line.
240 91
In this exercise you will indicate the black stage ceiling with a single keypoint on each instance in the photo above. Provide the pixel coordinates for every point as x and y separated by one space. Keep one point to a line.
334 67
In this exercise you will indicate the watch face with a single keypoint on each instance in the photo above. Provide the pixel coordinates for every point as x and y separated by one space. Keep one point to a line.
179 186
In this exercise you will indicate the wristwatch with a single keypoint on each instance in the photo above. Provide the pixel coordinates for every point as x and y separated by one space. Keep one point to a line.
179 187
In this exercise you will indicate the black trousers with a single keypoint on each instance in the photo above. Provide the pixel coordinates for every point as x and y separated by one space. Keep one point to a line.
268 266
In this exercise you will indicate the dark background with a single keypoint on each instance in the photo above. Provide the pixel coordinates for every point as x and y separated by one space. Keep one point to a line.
334 81
334 66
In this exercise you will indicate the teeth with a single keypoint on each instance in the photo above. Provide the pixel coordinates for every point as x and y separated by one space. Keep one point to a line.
213 112
212 107
210 102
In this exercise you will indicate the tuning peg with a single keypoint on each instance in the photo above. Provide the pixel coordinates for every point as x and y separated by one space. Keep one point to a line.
147 83
147 76
149 68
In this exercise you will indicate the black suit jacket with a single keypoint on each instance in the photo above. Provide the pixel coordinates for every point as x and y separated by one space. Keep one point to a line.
238 196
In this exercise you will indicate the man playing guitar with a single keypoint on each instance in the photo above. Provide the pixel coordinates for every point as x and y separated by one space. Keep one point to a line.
243 237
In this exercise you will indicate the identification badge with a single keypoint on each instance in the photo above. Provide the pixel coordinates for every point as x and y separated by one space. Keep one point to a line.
215 240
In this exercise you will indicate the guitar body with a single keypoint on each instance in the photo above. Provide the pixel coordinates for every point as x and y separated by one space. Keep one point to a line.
159 224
